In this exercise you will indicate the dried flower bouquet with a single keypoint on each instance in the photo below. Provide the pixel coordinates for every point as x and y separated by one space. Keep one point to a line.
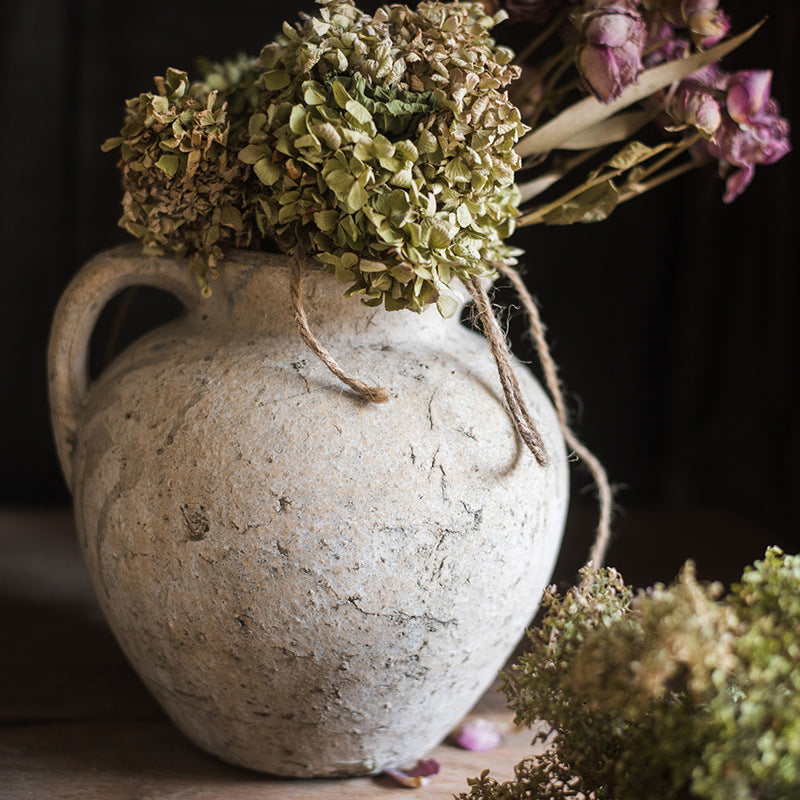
398 152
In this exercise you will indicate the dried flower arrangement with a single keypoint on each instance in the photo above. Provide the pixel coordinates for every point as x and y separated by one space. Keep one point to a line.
384 149
677 691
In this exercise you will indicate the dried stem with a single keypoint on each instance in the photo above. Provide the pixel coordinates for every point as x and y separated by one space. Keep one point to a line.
537 216
535 187
116 328
536 43
681 147
637 189
548 89
520 90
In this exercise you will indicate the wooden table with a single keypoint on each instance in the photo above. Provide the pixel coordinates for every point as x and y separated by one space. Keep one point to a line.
76 723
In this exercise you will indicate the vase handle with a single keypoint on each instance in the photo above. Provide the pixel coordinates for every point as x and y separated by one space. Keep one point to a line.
75 318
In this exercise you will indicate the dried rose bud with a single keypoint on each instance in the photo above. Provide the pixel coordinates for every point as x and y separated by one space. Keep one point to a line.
610 59
694 104
477 734
708 27
416 776
662 43
706 22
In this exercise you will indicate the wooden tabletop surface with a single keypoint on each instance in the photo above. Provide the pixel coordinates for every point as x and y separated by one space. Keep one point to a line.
77 724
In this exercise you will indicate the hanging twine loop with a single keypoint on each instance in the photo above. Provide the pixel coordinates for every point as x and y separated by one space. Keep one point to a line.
536 329
525 426
372 394
523 423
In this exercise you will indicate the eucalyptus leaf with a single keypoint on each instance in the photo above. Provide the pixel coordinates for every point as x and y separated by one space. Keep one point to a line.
632 154
593 205
615 129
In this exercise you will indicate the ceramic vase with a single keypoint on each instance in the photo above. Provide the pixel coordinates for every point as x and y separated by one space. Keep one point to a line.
310 585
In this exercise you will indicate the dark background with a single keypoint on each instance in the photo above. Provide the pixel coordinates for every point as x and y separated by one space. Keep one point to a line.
674 322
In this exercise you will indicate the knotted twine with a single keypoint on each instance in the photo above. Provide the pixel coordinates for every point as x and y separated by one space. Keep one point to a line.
518 410
373 394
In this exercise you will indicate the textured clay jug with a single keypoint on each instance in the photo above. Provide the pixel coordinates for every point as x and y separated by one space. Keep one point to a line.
308 584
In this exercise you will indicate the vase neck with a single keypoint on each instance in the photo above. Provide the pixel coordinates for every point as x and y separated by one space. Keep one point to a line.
253 292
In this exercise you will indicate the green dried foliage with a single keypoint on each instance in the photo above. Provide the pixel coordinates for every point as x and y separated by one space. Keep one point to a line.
677 691
384 145
235 83
185 187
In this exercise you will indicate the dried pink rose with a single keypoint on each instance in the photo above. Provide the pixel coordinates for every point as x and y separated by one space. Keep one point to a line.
610 59
706 22
693 103
752 130
415 776
477 734
762 140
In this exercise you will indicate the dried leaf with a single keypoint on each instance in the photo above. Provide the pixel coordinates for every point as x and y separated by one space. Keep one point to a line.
276 80
267 171
609 131
632 154
593 205
169 163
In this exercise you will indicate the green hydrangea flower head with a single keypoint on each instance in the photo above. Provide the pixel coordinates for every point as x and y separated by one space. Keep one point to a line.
384 147
184 187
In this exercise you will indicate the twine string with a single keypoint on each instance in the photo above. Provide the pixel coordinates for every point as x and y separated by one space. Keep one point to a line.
523 423
372 394
537 332
525 426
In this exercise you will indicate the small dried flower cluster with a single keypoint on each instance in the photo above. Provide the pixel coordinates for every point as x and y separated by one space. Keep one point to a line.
386 145
185 188
674 689
728 117
620 36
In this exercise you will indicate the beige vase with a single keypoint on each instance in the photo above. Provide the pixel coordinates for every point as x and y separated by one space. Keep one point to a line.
309 585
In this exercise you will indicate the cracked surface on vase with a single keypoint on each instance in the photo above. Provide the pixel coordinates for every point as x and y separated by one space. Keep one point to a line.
308 584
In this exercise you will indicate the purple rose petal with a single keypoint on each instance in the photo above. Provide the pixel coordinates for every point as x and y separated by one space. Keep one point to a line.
415 776
748 93
477 734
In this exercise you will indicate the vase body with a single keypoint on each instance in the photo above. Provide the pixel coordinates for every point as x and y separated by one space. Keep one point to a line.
308 584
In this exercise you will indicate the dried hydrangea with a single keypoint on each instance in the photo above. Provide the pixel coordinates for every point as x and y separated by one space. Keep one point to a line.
234 81
384 146
677 691
184 186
